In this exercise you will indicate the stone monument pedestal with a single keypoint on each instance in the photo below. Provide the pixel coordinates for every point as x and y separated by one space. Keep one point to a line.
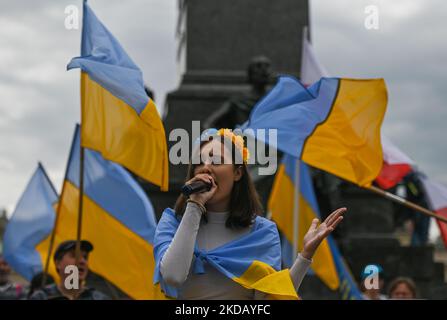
218 39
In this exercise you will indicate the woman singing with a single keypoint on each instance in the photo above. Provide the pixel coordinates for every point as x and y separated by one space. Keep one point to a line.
215 244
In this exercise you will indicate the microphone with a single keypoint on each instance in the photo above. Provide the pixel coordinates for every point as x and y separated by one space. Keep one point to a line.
194 187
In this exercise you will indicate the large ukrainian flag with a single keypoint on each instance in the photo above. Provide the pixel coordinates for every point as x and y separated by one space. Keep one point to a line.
118 118
334 125
118 220
30 223
327 263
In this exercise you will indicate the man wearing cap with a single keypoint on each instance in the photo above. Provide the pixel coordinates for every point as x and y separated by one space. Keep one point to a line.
65 256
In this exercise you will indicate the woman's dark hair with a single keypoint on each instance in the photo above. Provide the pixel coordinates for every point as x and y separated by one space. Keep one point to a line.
245 204
407 281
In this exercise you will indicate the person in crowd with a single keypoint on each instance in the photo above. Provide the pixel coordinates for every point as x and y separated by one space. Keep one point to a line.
417 224
65 256
373 293
8 289
227 215
402 288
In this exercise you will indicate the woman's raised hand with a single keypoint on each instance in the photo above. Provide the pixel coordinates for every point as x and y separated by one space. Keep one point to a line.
317 233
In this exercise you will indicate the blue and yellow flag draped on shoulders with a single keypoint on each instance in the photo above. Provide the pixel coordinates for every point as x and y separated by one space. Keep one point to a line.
30 223
253 261
334 125
118 220
119 120
327 263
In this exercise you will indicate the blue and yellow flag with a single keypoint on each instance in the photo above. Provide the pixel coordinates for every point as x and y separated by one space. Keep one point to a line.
119 120
118 219
334 125
327 263
30 223
253 260
348 287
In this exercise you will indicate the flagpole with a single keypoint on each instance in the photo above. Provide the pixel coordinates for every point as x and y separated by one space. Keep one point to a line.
406 203
305 35
296 208
80 205
50 247
58 212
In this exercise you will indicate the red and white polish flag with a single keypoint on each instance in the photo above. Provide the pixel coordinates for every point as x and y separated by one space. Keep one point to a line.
396 165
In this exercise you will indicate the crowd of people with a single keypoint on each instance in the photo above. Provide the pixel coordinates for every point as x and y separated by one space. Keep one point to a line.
228 211
398 289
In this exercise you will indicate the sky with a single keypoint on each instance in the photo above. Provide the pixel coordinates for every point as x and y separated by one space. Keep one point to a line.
40 100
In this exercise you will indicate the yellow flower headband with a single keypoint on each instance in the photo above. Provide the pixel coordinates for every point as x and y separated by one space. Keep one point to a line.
238 141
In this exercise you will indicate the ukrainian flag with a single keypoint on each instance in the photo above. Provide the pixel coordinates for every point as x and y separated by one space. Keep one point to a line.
253 260
327 263
334 125
118 219
118 118
348 286
30 223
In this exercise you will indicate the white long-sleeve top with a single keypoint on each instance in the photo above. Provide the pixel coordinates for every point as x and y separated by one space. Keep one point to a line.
176 264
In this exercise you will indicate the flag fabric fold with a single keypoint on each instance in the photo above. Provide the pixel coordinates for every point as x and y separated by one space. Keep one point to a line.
253 261
118 219
30 223
119 120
